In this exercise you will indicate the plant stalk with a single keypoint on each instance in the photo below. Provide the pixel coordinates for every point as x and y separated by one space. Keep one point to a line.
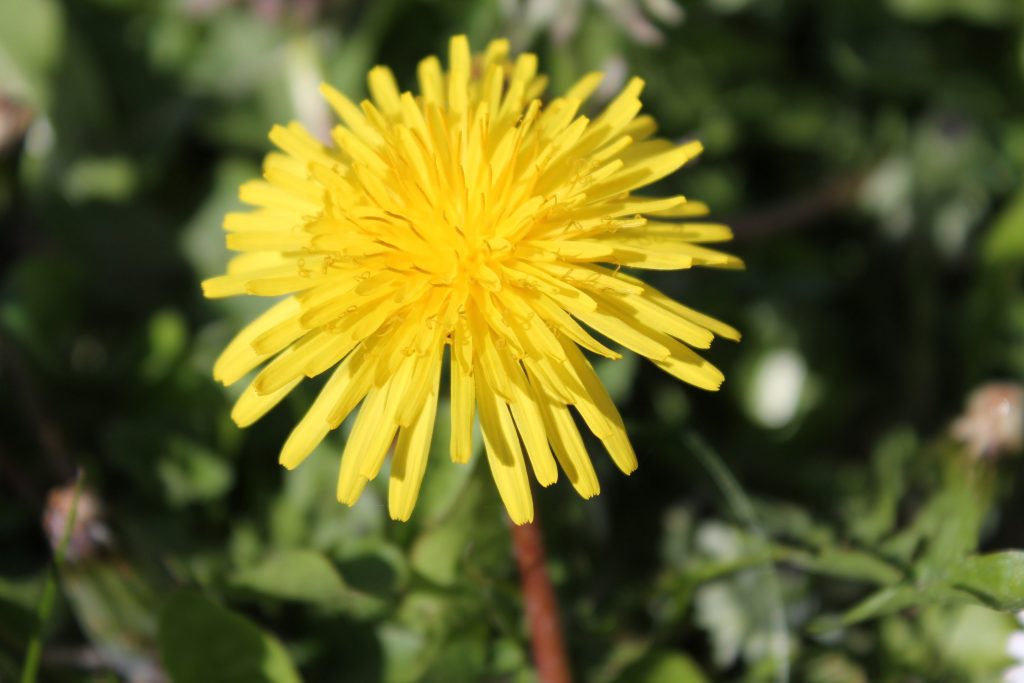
546 639
30 667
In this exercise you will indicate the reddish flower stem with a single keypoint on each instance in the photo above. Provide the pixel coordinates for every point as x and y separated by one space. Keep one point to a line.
546 638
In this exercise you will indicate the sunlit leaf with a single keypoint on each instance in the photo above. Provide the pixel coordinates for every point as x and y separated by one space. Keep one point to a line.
298 575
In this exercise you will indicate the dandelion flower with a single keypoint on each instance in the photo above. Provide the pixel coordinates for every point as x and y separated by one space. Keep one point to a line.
475 218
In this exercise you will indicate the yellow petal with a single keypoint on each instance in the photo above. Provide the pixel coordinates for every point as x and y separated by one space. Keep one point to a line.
563 323
431 80
350 114
384 90
582 89
252 405
458 74
238 283
686 365
567 444
530 425
239 357
410 460
616 441
291 364
344 390
297 141
504 454
462 401
646 312
637 338
370 438
673 306
263 194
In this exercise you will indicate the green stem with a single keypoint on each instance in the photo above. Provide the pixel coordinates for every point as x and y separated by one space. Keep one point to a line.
30 668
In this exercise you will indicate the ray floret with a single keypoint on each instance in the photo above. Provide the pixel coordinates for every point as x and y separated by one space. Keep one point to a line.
475 232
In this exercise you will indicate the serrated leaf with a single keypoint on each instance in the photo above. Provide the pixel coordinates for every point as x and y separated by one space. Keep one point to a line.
845 563
996 579
876 514
880 603
202 642
953 518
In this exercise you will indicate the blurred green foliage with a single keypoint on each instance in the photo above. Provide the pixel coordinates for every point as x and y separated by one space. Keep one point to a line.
870 156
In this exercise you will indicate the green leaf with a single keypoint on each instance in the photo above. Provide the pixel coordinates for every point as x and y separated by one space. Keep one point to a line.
101 179
788 520
31 37
202 642
168 337
880 603
308 577
1005 239
296 575
16 622
997 579
971 638
874 516
462 658
113 603
192 473
438 554
405 652
374 567
662 667
844 563
834 668
953 518
979 11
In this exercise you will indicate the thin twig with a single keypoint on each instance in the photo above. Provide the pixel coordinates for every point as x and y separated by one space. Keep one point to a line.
546 638
19 481
47 431
793 213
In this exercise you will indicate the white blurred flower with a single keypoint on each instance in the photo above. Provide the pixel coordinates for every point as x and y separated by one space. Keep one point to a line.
616 71
561 18
1015 649
777 388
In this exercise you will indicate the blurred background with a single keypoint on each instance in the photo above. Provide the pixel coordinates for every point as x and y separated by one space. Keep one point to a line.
829 516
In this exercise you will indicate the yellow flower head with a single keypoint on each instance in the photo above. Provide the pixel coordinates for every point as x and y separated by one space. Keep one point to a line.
475 217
